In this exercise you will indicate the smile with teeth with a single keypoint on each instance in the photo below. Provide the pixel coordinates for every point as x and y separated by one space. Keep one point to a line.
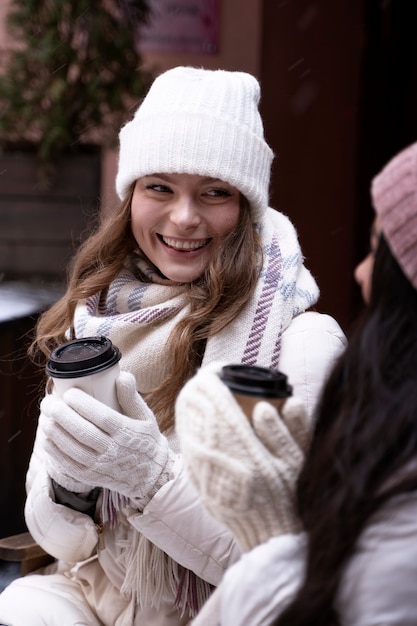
182 244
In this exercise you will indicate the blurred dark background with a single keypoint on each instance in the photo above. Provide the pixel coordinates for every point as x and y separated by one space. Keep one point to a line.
339 90
339 100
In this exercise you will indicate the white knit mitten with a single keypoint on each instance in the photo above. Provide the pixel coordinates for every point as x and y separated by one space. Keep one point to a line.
90 444
245 475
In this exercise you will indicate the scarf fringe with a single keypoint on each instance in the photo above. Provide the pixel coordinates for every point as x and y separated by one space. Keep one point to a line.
192 593
111 503
153 578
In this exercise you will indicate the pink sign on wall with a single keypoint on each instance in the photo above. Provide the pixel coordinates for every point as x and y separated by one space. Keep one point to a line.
181 26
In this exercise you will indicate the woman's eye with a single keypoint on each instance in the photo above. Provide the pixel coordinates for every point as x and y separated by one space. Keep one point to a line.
218 193
159 188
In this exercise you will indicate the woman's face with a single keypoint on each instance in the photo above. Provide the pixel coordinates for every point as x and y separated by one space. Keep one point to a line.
178 219
363 271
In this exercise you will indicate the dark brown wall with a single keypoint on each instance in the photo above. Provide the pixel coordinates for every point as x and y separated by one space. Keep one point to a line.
339 95
41 228
311 75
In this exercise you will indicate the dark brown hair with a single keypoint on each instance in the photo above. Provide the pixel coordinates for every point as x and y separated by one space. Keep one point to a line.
366 432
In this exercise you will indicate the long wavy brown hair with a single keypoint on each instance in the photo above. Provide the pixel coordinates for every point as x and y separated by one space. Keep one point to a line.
216 298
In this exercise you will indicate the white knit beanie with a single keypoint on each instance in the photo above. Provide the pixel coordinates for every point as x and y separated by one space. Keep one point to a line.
196 121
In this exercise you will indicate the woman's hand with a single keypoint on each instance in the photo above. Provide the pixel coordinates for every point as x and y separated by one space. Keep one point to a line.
245 474
90 444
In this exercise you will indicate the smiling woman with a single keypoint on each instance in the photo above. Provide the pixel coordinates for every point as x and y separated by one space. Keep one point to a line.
191 268
177 220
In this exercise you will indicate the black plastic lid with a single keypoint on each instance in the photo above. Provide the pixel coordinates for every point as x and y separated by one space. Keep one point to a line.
82 357
253 380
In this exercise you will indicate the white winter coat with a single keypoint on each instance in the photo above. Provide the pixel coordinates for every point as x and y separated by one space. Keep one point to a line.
378 587
86 587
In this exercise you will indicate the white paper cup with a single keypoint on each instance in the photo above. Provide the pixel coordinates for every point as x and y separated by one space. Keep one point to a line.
250 384
90 364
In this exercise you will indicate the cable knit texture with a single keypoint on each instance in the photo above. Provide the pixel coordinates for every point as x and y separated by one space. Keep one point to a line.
245 475
394 196
87 442
198 121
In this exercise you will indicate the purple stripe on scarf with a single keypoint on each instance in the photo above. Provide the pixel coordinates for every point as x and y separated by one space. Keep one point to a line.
106 319
271 278
277 351
92 304
146 316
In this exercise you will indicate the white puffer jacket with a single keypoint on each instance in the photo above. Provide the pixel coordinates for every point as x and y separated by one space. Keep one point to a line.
378 587
174 520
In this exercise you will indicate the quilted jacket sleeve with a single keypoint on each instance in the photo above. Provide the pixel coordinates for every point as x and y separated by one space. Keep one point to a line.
310 347
64 533
177 522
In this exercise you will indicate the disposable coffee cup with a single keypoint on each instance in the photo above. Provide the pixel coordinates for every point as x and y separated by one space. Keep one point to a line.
250 384
90 364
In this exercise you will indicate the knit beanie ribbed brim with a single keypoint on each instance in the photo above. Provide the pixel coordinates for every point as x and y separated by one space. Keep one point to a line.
205 122
394 197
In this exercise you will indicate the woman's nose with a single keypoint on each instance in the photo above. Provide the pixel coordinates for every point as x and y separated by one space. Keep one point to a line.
185 213
358 271
363 276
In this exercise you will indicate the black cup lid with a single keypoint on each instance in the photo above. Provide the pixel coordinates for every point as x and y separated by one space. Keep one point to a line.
253 380
82 357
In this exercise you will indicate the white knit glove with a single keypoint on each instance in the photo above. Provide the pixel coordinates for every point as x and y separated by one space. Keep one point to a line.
245 475
89 444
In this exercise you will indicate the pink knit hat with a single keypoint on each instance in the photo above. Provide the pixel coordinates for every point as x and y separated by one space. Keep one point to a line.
394 197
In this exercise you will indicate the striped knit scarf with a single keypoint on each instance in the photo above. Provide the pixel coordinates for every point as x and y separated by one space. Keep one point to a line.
285 289
139 317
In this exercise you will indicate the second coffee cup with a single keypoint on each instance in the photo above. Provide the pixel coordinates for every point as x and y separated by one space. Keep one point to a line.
251 383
